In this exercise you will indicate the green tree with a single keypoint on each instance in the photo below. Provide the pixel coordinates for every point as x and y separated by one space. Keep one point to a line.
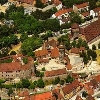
61 82
30 44
10 91
32 86
99 45
13 53
73 44
92 4
39 4
43 69
56 81
40 83
93 47
25 60
25 83
52 24
93 55
23 37
75 18
84 94
69 79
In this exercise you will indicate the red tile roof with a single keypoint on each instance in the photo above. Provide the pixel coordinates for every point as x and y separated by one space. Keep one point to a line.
97 78
14 66
62 11
82 5
75 50
85 14
55 72
71 87
57 92
92 31
74 26
40 53
78 98
23 94
54 53
69 66
57 2
43 60
96 9
42 96
89 97
27 1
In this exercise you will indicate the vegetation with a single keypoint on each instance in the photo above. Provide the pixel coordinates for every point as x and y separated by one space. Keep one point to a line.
69 79
30 44
56 81
10 91
40 83
93 47
12 53
3 1
25 60
70 3
6 60
25 83
43 69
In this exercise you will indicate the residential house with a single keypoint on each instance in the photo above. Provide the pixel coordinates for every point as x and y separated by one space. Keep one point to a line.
92 31
16 68
71 89
95 12
77 50
27 1
84 7
78 98
85 15
55 72
62 15
58 4
75 30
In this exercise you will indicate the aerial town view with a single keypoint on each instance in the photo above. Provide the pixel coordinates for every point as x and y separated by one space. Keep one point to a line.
49 49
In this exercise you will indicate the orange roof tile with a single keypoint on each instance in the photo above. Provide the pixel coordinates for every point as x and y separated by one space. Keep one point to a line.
63 11
41 53
85 14
43 96
82 5
55 72
69 66
78 98
70 87
75 50
74 25
92 31
54 53
96 9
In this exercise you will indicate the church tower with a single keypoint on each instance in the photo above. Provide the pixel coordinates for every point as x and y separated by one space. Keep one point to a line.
61 51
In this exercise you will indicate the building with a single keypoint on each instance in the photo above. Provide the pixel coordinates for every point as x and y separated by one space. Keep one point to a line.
63 15
55 72
95 12
84 7
75 30
27 1
92 31
77 50
16 68
71 89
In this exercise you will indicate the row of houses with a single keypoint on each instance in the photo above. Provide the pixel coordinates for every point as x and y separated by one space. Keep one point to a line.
66 92
62 93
